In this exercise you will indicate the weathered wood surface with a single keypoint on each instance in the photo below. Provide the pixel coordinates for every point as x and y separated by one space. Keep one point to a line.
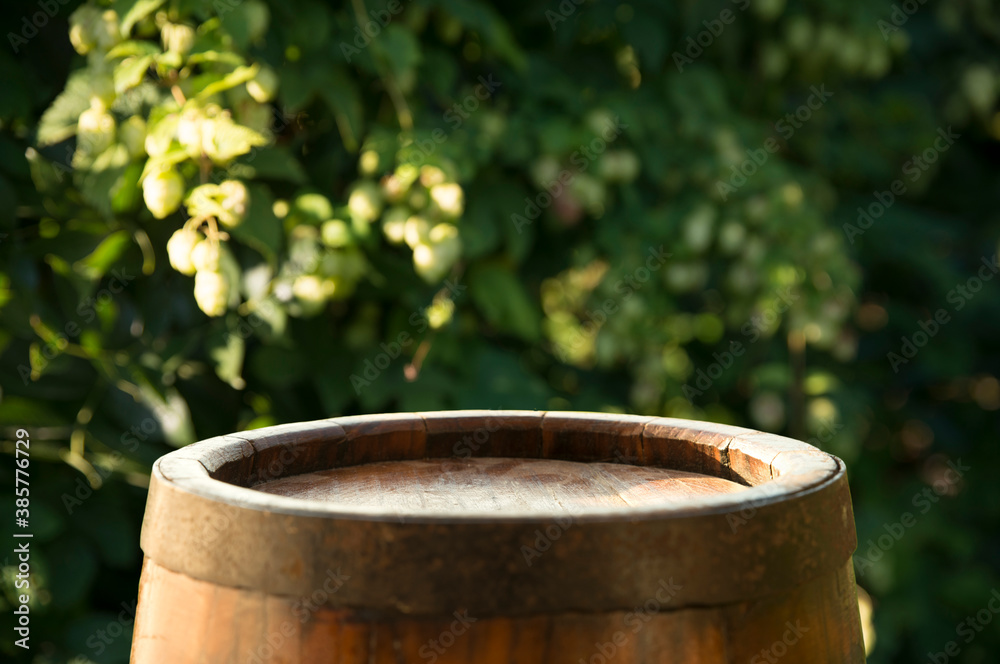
549 528
187 621
452 487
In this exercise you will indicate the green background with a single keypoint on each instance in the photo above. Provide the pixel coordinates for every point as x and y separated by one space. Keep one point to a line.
145 359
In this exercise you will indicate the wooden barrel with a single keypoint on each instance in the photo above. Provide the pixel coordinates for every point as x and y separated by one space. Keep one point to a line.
498 536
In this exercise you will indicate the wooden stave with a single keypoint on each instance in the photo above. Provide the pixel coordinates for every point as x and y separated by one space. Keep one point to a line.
186 621
591 566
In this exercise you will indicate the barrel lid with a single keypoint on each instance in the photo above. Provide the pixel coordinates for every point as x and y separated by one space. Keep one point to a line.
726 514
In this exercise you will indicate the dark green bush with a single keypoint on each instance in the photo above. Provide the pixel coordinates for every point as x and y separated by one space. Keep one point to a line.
737 211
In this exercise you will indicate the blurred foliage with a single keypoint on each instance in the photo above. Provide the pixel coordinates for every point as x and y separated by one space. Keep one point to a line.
223 215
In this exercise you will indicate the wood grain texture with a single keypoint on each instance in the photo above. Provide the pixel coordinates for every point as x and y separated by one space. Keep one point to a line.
449 487
811 624
750 543
552 529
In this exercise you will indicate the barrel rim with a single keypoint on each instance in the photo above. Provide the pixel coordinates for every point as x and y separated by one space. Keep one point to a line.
767 541
774 468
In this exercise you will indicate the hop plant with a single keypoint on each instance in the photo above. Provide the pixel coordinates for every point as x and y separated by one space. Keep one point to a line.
205 256
226 202
133 136
394 224
366 201
336 233
440 312
312 292
178 38
416 231
449 198
368 162
189 130
163 191
263 86
619 166
173 117
92 28
95 128
180 248
432 175
434 257
211 292
235 199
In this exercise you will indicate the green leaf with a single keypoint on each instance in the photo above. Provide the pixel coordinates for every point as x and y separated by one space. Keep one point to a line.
49 178
21 411
231 140
105 255
223 57
226 348
59 122
247 22
480 235
503 301
99 183
400 49
174 155
130 72
484 19
170 410
132 48
125 192
137 10
270 163
343 97
236 77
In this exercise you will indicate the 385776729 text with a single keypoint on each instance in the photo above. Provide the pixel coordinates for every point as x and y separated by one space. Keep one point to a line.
22 547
